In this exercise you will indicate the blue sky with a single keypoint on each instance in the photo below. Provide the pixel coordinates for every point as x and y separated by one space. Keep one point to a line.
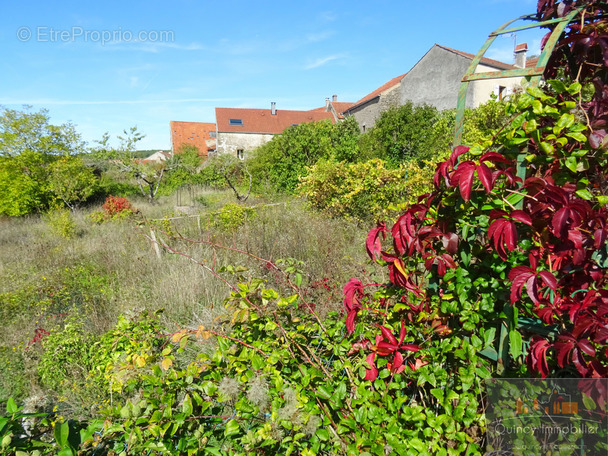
109 65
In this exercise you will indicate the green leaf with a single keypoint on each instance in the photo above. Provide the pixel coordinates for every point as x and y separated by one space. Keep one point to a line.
547 148
515 344
577 136
571 164
602 199
213 450
11 407
322 434
574 88
535 92
187 405
62 432
232 428
557 85
323 392
584 194
565 121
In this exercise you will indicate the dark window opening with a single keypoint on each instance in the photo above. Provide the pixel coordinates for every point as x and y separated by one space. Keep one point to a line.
238 122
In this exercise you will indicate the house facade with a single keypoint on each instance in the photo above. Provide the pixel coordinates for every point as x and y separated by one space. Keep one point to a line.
240 130
435 79
198 134
369 108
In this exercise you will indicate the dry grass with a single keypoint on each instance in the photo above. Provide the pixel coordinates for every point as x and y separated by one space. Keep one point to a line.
112 268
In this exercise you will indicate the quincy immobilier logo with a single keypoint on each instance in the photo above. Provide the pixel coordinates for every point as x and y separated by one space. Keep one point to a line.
547 416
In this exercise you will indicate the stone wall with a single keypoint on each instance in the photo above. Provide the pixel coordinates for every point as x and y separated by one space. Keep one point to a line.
367 114
230 143
435 80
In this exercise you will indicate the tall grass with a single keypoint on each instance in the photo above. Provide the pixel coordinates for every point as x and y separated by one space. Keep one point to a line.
112 268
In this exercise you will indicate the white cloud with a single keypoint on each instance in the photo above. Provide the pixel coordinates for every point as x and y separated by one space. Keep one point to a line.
321 61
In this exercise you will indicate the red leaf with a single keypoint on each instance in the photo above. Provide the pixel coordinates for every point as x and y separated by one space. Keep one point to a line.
410 347
373 244
549 279
463 177
586 347
519 276
521 216
532 289
353 291
559 222
485 176
372 372
450 242
494 157
388 335
563 348
537 356
350 320
397 362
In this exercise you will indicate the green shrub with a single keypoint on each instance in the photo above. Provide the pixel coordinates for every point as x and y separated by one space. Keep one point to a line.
362 191
232 216
65 359
61 222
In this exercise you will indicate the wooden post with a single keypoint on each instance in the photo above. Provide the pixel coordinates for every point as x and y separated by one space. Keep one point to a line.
155 244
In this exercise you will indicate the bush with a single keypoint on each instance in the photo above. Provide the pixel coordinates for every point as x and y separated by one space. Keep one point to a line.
408 132
363 191
61 222
114 208
281 162
232 216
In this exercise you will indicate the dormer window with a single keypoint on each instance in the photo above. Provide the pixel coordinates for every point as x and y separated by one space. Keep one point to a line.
236 122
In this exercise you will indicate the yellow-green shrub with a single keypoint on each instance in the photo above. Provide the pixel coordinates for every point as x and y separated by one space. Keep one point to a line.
365 190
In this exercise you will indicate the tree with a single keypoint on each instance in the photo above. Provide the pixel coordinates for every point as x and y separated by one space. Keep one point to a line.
407 132
29 147
148 175
72 181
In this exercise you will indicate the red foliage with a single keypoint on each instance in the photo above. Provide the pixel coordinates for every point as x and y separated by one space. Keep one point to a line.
116 205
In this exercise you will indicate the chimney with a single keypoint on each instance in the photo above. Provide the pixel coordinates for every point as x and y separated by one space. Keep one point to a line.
273 108
334 98
327 104
519 55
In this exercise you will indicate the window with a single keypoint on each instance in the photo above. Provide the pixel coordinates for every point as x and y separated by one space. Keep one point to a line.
236 122
212 134
240 154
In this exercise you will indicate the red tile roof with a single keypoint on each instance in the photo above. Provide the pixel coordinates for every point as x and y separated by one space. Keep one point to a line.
339 106
521 47
532 62
383 88
262 121
484 60
197 134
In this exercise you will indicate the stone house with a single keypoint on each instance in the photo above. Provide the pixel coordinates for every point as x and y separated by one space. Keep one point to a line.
435 79
368 109
240 130
198 134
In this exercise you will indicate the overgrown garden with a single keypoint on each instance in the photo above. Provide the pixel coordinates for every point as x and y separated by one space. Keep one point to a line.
272 329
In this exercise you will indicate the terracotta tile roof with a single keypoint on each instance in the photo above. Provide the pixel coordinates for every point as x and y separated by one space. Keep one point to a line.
342 106
531 63
339 106
484 61
197 134
521 47
383 88
262 121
